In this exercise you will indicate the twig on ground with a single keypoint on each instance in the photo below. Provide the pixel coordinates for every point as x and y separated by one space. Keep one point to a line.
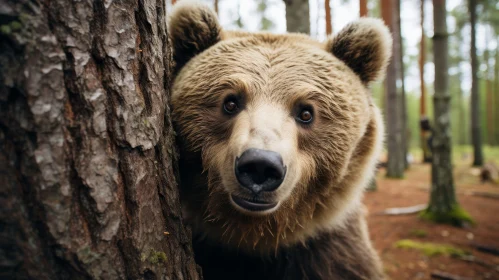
486 194
486 248
404 210
473 259
447 276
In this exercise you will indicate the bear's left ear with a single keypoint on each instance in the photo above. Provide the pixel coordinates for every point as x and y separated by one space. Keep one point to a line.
365 46
193 27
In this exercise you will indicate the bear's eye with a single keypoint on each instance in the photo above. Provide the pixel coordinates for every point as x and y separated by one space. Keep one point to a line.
305 116
230 106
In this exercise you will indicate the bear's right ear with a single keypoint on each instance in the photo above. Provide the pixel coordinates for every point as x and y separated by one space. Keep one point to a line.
365 46
193 28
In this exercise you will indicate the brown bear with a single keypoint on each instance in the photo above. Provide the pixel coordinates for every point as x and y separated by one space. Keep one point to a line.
278 138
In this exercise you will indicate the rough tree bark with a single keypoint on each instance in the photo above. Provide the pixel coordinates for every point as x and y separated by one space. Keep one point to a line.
87 155
476 125
297 16
393 116
443 206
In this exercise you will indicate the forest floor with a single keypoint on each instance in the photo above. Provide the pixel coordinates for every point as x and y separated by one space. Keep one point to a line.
409 263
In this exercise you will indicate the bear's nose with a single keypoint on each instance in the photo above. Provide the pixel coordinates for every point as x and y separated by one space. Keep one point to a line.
260 170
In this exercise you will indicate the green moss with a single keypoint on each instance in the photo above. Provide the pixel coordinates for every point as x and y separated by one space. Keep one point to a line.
154 257
457 216
24 18
157 257
15 25
5 29
419 233
431 249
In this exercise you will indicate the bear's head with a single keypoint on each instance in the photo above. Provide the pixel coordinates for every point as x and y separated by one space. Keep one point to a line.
278 134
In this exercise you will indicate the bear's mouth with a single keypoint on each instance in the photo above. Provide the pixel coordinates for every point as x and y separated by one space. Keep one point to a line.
253 205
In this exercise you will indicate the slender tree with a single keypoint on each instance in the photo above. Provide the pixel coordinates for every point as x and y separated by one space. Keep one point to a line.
488 76
215 6
401 81
363 8
363 13
329 24
425 133
265 22
393 111
476 126
297 16
87 155
443 206
496 90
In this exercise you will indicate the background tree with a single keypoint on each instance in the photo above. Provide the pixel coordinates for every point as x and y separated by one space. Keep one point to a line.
401 82
87 155
393 111
239 21
265 22
363 8
425 134
443 206
329 25
297 16
476 126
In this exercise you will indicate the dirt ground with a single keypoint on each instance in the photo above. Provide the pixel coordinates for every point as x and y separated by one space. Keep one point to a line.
386 230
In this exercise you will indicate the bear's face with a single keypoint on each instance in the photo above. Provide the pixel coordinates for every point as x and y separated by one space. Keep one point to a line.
278 133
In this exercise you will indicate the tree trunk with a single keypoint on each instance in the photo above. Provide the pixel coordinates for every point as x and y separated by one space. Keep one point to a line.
87 153
401 78
297 16
425 134
488 92
396 162
363 13
215 6
329 25
363 8
496 91
443 205
476 126
463 131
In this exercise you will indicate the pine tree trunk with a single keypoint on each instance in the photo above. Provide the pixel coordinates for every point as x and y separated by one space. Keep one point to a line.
394 119
496 91
443 204
363 8
329 25
442 195
297 16
87 152
476 126
488 92
401 89
422 104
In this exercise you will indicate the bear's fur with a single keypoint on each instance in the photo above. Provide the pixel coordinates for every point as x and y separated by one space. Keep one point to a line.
318 229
